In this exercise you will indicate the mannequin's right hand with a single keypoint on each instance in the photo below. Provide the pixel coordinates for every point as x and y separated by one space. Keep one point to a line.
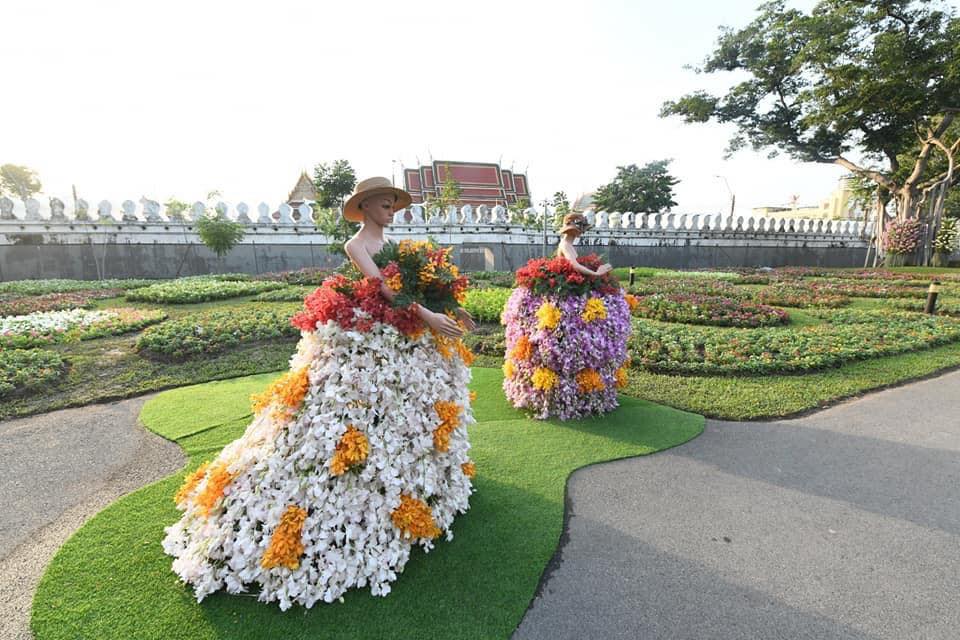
444 325
604 269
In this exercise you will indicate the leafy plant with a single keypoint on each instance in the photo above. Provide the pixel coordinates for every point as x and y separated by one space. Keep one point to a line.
219 234
486 305
23 370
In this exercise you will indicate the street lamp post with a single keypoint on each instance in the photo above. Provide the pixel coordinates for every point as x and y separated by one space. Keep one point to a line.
733 197
545 204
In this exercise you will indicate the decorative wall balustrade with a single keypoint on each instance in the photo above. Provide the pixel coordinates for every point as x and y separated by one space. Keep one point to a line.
147 219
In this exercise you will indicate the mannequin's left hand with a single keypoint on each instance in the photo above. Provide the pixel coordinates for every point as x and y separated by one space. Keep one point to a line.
464 316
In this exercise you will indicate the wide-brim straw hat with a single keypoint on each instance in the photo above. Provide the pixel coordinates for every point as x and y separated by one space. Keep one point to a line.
372 187
574 222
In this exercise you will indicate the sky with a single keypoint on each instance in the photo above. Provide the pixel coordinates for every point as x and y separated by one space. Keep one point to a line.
175 99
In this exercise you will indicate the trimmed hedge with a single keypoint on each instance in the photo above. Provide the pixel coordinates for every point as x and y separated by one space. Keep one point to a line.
307 276
718 311
40 287
194 290
24 370
486 305
845 336
285 294
217 330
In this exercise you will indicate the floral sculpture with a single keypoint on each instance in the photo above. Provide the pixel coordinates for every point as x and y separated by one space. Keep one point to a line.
355 455
566 339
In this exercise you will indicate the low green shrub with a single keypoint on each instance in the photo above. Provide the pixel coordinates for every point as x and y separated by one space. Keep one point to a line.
293 293
718 311
194 290
216 330
25 370
40 287
486 305
844 336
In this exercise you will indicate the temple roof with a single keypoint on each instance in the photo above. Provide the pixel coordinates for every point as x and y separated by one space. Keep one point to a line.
303 190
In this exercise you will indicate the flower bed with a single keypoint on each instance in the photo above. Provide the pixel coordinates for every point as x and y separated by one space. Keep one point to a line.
846 335
15 305
943 308
214 331
874 289
698 286
486 305
284 294
75 324
23 370
40 287
193 290
800 294
691 308
307 276
489 279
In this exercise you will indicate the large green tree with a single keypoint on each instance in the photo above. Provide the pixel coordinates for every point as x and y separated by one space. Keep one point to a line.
19 180
334 182
648 189
853 83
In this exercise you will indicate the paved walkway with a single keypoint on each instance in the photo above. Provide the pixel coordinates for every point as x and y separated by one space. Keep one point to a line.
58 469
841 524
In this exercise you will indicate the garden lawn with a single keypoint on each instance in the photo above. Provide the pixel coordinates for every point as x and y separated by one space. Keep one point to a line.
112 580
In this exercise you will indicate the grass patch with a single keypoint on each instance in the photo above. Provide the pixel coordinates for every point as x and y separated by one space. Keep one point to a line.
755 398
112 580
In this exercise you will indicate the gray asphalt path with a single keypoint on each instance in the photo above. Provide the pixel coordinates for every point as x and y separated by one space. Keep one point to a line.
841 524
57 470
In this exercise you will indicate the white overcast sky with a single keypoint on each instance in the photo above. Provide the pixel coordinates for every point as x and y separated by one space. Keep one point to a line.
174 98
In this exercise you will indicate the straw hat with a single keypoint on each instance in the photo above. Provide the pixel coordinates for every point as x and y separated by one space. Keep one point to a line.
574 222
373 187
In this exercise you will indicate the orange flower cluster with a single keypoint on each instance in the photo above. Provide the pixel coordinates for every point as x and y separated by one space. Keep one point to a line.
286 545
469 469
621 377
589 380
191 483
217 481
522 349
414 519
351 450
632 301
449 413
446 347
288 391
473 397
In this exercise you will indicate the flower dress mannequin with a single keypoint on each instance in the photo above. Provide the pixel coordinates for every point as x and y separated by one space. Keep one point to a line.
567 324
355 455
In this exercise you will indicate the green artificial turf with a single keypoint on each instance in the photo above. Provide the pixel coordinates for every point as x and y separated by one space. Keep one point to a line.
112 580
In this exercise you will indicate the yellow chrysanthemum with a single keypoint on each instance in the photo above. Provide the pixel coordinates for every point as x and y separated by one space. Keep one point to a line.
594 310
589 380
621 375
217 480
473 397
544 379
351 450
508 369
548 316
190 483
469 469
522 350
286 543
414 519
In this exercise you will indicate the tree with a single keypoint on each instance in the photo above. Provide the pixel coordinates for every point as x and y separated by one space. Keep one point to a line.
648 189
19 180
450 193
334 183
219 234
519 212
851 83
333 225
561 207
175 208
